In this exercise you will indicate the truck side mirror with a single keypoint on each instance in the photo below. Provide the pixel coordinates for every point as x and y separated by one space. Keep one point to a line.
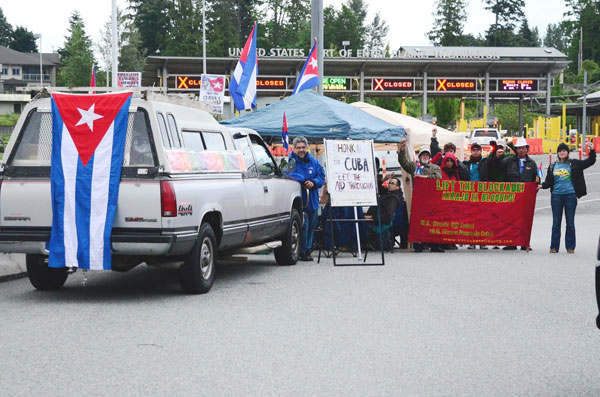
288 166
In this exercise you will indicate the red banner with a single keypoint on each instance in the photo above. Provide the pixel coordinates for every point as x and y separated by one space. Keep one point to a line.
463 212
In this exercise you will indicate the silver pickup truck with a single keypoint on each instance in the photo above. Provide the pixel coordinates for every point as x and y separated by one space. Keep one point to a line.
191 191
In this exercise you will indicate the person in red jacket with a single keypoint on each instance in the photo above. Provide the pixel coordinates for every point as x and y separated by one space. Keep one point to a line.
450 167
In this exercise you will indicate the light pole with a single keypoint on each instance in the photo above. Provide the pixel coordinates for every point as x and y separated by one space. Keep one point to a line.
39 36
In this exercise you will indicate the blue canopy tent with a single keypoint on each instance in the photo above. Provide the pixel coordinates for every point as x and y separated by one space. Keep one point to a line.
318 117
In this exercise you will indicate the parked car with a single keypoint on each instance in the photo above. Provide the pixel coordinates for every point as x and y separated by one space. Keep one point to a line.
190 189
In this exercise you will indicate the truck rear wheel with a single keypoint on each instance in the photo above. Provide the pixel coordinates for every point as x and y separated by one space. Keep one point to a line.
197 273
287 254
43 277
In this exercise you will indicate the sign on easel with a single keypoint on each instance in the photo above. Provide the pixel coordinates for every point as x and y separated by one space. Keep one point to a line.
350 173
351 182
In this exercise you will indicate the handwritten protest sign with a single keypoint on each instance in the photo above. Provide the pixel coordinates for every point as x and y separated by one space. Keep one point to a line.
129 79
212 91
463 212
350 173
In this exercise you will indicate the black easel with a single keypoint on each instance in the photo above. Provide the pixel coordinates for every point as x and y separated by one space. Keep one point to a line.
355 221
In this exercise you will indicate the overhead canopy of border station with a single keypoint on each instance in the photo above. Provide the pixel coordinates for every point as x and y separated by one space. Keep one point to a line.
413 71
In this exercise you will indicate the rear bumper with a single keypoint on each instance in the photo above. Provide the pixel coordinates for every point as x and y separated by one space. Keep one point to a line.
122 242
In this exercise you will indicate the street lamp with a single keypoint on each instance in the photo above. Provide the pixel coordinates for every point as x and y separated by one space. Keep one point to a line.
39 36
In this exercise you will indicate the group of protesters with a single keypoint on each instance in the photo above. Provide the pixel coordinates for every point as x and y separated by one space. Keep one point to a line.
564 177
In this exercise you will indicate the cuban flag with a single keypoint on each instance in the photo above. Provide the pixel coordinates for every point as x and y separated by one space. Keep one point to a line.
284 135
540 172
88 140
242 86
419 169
309 77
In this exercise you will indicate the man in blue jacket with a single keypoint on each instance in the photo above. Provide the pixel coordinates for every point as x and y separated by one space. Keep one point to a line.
311 175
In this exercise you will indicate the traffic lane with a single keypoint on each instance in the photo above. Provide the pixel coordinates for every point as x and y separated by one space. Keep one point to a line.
464 322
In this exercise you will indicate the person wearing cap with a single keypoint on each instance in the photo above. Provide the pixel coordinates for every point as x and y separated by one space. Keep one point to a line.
567 184
422 168
520 168
476 165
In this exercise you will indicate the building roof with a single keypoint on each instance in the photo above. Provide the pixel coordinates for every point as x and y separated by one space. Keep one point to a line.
11 57
481 52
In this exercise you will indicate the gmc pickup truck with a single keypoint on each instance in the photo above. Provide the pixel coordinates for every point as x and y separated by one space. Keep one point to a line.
191 191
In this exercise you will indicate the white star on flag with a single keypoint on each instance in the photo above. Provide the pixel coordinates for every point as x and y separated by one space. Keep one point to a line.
88 117
313 62
217 86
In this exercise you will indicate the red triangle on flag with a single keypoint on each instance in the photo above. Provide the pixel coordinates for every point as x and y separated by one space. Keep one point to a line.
88 117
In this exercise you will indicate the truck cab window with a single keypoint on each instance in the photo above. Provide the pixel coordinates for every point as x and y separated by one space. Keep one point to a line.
174 132
242 145
213 141
163 131
264 162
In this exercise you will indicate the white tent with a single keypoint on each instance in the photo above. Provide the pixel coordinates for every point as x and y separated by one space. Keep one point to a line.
418 131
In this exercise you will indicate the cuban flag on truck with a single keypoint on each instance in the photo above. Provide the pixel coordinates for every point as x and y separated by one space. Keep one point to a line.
88 140
309 77
242 86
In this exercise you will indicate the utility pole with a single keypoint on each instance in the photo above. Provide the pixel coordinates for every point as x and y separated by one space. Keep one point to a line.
316 30
204 36
115 44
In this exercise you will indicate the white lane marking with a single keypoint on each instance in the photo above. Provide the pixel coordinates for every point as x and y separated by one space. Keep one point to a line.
579 202
592 173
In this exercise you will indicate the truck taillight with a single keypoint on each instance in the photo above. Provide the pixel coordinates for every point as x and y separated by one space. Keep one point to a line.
168 201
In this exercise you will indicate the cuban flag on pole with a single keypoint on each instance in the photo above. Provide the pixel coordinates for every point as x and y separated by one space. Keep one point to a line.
540 172
309 77
242 86
284 135
88 140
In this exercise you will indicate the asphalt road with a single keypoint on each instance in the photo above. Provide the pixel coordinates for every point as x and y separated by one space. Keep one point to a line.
491 323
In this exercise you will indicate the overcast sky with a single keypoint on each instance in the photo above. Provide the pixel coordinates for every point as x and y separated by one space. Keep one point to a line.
409 20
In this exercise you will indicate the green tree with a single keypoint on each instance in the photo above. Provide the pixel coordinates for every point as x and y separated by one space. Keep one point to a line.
556 37
6 30
151 18
229 23
507 13
185 32
583 19
528 37
23 40
446 110
287 23
376 33
77 57
448 22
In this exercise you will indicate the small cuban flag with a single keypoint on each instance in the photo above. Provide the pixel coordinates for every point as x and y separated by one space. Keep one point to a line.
284 136
419 169
93 78
309 77
540 172
88 141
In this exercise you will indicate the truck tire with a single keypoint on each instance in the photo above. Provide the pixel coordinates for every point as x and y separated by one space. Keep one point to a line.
287 254
43 277
197 273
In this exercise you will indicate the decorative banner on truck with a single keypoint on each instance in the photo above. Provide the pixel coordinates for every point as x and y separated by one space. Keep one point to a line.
463 212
